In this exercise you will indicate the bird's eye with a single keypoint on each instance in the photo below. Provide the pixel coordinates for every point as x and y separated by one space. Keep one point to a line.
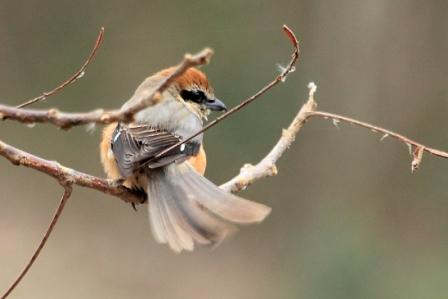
196 96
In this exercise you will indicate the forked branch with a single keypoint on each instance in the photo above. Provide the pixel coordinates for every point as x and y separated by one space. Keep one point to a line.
267 166
68 177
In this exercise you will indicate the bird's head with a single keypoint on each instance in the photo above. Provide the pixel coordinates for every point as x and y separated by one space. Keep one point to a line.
193 89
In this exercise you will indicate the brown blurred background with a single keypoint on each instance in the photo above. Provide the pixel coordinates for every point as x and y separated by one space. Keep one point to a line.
349 220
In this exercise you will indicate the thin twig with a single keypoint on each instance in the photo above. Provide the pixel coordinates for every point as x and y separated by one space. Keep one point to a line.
248 174
68 120
385 132
54 220
419 148
78 75
280 78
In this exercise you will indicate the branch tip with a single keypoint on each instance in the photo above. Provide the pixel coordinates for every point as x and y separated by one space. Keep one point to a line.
313 88
290 67
385 135
290 34
76 76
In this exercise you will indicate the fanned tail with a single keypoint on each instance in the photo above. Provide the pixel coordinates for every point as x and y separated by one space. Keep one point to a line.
185 208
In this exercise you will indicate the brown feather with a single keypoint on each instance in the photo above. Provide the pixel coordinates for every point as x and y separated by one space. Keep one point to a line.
199 162
107 158
190 77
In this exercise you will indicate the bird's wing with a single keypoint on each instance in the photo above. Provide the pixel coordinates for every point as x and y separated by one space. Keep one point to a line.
135 146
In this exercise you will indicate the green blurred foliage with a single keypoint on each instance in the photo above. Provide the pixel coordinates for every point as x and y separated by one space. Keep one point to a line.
348 220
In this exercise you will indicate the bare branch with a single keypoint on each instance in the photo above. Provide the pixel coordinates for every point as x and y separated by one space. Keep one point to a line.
280 78
417 154
248 174
78 75
54 220
66 175
266 167
68 120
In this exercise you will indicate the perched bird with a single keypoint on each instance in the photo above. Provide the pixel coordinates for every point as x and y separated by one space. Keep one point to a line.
184 207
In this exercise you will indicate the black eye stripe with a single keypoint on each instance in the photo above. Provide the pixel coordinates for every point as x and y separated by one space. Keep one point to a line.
196 96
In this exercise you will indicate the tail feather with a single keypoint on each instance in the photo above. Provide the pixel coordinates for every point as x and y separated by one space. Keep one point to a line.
199 224
158 226
226 205
163 224
178 238
185 207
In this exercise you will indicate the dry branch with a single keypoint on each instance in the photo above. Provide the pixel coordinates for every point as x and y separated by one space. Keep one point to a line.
54 220
266 167
66 175
280 78
417 148
248 174
68 120
75 77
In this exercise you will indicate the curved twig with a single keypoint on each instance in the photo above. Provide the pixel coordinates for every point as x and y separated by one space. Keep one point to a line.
78 75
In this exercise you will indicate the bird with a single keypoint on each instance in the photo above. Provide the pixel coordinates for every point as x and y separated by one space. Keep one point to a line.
185 208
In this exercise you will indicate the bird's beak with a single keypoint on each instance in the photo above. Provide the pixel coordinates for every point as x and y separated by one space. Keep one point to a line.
215 105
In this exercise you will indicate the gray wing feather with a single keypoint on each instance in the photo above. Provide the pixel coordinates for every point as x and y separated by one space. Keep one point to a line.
134 146
186 207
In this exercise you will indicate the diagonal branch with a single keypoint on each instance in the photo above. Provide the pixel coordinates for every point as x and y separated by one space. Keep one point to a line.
60 208
266 167
64 174
280 78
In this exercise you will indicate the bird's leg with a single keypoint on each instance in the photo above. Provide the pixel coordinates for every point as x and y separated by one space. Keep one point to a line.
134 189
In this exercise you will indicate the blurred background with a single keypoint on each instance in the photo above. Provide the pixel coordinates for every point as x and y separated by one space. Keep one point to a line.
349 220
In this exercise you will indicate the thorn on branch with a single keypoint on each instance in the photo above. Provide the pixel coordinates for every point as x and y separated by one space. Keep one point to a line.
336 123
409 148
384 136
82 74
417 155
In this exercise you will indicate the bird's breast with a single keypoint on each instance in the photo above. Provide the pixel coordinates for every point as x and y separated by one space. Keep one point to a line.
173 116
